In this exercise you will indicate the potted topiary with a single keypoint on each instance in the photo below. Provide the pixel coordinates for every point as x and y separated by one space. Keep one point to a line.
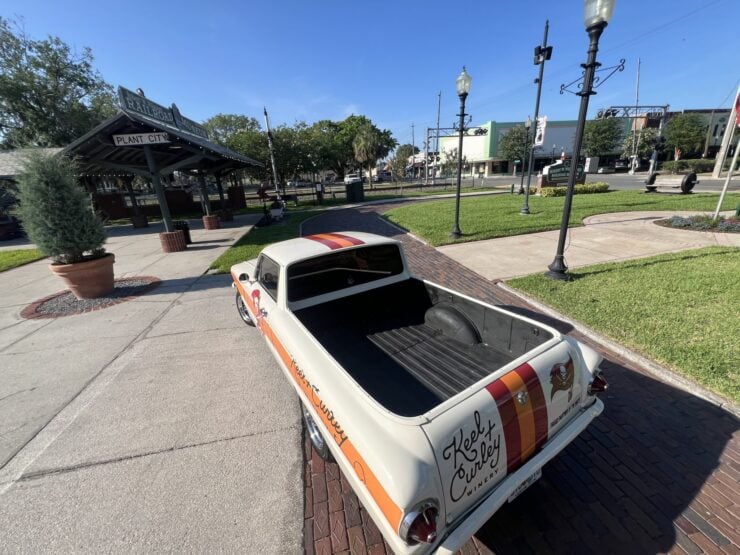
57 216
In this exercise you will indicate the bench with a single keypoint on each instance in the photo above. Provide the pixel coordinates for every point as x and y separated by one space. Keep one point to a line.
683 182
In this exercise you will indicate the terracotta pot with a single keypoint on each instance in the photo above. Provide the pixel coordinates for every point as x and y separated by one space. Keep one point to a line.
211 222
89 279
140 221
172 241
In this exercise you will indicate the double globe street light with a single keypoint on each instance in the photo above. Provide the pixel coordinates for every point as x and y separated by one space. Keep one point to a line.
463 88
597 14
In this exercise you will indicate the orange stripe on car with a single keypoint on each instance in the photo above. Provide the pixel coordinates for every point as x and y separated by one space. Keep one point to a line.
387 506
335 240
524 410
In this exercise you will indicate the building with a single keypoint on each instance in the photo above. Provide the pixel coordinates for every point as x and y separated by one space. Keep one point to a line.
481 151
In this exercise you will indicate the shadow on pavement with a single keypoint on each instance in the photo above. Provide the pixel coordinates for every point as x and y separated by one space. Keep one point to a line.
627 481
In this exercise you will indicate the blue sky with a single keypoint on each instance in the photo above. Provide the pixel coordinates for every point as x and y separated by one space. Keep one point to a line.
388 59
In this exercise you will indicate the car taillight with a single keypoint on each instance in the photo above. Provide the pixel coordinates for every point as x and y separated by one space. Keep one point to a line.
598 384
420 524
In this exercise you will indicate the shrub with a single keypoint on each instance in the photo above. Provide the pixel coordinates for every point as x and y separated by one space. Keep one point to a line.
703 223
581 189
696 166
55 211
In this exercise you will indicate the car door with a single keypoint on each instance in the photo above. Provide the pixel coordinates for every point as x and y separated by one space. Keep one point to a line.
265 291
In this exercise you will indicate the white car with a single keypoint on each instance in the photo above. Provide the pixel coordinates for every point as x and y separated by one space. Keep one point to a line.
437 407
352 178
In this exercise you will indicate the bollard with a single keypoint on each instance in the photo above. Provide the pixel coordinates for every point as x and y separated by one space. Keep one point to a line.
512 188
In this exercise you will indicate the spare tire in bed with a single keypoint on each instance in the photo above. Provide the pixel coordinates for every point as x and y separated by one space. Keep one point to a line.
452 323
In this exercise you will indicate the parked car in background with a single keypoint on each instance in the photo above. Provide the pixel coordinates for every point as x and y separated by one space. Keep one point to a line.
10 227
605 169
621 165
352 178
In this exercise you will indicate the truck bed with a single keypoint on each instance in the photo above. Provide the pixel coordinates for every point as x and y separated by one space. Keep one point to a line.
382 340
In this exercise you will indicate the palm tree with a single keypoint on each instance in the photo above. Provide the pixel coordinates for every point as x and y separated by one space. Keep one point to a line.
366 145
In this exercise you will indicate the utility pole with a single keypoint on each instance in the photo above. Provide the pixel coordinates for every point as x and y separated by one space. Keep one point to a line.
541 55
426 159
436 142
272 153
413 153
634 122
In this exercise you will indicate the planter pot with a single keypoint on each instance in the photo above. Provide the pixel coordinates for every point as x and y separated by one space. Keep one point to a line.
140 221
89 279
211 222
172 241
226 216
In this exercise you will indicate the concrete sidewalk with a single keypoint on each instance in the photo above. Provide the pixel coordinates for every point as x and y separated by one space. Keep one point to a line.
603 238
149 425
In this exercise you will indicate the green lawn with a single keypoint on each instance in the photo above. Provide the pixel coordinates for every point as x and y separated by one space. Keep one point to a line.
679 309
19 257
252 242
498 215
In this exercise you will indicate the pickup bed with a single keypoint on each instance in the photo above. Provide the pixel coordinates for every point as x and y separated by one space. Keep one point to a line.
437 407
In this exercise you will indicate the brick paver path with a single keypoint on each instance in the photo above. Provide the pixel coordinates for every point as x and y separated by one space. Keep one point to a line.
658 471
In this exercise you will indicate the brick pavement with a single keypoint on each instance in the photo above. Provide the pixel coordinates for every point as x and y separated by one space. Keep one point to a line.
658 471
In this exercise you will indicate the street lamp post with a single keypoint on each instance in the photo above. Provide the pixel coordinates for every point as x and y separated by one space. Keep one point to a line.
597 14
527 125
463 88
541 55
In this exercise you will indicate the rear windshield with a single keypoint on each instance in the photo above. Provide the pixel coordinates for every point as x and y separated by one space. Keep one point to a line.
339 270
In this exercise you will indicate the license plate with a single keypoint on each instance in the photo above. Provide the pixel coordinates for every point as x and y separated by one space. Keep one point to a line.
525 484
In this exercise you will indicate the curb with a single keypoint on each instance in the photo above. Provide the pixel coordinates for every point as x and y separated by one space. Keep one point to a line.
653 368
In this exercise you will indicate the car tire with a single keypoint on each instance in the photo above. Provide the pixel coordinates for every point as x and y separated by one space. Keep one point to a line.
317 438
242 309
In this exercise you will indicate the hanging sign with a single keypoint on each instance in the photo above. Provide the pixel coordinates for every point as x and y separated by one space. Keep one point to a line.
539 134
136 139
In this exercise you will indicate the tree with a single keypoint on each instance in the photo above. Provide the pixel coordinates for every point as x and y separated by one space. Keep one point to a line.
49 95
603 136
369 147
449 162
55 210
685 134
645 141
222 127
400 160
512 144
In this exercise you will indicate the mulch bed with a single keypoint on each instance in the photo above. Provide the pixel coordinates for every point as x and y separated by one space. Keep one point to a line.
64 303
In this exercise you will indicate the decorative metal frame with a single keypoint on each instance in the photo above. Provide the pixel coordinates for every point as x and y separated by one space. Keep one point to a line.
598 80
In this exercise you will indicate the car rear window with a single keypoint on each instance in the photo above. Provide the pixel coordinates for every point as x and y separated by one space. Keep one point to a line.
343 269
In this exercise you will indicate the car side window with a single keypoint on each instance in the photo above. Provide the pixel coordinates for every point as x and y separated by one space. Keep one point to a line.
269 275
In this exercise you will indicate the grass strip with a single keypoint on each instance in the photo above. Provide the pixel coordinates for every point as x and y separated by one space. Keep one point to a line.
253 241
14 258
679 309
491 216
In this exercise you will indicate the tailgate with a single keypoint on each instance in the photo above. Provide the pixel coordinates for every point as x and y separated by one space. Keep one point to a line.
496 430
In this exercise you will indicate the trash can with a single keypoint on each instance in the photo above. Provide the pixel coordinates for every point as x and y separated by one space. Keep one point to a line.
185 227
355 192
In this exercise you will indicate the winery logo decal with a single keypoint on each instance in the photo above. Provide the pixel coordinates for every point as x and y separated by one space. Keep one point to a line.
561 378
475 454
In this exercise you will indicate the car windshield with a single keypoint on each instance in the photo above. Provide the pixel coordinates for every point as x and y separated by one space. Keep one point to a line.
339 270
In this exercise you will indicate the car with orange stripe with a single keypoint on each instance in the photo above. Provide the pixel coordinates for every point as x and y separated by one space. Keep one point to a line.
438 408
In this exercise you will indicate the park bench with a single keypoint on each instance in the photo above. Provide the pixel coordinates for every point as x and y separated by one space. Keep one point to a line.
683 182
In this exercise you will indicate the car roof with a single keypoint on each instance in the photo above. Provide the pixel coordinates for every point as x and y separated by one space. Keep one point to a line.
301 248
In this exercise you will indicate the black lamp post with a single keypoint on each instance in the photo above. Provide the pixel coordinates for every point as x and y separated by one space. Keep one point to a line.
597 14
463 88
527 125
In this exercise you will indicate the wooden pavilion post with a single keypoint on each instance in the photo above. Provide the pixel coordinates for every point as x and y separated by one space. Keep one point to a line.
166 217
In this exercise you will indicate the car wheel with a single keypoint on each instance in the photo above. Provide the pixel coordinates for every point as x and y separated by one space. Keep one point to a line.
242 308
314 434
